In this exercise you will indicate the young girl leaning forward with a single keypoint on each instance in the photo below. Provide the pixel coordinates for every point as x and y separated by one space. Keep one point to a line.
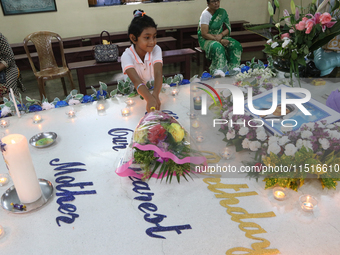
142 62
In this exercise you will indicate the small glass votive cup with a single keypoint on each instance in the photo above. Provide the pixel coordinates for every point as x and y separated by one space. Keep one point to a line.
101 109
175 91
4 179
194 87
129 102
125 112
227 152
195 124
191 115
279 193
37 118
199 138
308 203
2 232
4 123
71 113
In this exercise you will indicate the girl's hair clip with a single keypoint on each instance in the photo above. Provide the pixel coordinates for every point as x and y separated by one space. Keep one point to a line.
139 13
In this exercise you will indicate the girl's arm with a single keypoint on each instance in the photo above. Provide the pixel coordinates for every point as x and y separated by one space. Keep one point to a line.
142 90
158 72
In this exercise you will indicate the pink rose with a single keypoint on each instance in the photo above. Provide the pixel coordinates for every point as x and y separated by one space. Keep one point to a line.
309 26
285 35
301 25
325 18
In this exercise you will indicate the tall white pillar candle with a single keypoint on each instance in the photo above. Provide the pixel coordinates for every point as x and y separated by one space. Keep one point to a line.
20 166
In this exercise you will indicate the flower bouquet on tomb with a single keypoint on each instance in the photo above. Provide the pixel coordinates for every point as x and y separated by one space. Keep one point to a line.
294 37
313 151
160 149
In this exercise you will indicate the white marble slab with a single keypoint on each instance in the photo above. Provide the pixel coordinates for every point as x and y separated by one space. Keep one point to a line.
109 222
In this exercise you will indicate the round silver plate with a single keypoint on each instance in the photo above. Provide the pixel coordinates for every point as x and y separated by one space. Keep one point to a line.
44 139
11 196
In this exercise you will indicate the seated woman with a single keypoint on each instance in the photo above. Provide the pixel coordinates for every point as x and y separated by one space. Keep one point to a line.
224 51
9 72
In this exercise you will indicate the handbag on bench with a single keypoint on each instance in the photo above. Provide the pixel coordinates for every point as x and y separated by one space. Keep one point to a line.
105 52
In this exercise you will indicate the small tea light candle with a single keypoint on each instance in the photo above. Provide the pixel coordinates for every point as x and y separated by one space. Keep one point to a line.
194 88
37 118
4 179
175 92
195 124
308 203
125 112
191 115
199 138
279 193
71 113
197 103
129 102
101 108
4 123
2 231
227 153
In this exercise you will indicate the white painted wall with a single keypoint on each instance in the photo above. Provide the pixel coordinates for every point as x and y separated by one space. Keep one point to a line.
75 17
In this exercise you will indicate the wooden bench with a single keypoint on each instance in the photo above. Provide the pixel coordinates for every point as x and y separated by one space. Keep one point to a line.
182 56
86 52
247 47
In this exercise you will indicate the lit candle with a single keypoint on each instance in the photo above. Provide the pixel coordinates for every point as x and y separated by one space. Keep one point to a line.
175 92
101 108
227 153
129 102
279 193
125 112
4 179
194 88
2 232
37 118
308 203
4 123
20 166
307 206
195 124
197 103
71 113
192 115
199 138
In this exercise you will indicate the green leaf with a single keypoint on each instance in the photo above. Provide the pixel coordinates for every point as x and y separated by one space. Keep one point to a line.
104 86
73 92
79 96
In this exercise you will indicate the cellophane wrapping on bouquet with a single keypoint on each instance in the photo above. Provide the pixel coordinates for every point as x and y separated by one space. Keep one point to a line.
160 149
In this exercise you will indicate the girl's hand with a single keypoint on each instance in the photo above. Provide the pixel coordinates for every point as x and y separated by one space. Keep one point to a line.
151 102
158 107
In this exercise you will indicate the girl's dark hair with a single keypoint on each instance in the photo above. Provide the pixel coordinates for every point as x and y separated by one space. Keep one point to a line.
139 23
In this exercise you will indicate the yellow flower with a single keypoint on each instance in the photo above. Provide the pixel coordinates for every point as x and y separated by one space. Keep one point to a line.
140 135
177 132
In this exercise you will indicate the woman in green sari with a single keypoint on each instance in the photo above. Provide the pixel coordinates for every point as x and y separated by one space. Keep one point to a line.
224 51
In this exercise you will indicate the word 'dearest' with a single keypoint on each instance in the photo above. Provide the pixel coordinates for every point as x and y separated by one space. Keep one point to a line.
238 100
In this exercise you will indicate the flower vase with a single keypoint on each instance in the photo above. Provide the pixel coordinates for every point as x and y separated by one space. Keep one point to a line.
282 65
